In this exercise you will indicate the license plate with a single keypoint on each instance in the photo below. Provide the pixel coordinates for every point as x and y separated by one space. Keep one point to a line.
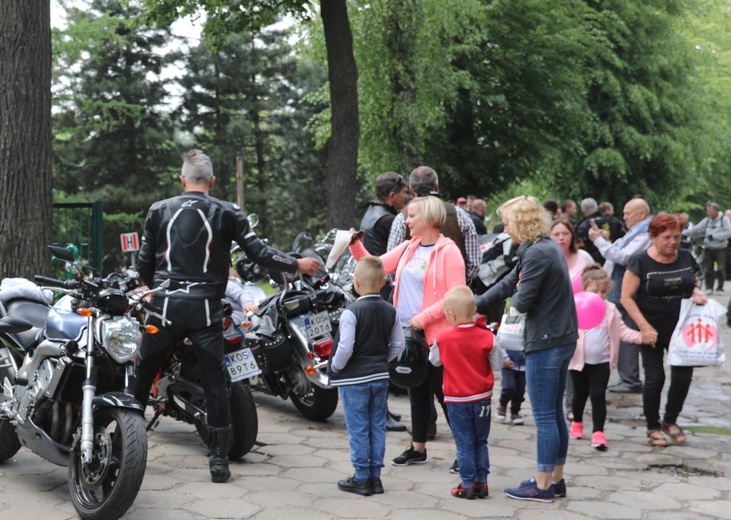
241 364
318 324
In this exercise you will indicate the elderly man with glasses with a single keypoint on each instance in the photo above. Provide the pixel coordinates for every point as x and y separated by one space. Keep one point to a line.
617 255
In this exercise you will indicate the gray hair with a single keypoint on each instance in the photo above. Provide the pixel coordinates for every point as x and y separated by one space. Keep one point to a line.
589 205
197 167
423 180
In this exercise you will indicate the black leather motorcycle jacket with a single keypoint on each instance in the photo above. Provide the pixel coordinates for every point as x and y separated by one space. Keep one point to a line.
188 239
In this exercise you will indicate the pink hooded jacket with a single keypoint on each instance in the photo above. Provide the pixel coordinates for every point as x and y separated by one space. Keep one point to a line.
616 330
444 270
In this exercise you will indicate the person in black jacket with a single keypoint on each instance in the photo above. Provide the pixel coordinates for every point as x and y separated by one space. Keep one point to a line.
594 218
187 240
391 194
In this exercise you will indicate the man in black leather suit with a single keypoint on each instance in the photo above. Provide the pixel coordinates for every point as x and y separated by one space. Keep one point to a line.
187 239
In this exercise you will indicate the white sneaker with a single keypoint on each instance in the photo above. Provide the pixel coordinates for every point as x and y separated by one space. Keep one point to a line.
709 291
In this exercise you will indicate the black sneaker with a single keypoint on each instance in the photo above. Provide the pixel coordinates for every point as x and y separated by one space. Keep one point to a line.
351 485
455 468
377 486
559 488
410 456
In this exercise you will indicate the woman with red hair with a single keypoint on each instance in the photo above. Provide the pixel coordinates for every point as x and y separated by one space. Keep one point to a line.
655 282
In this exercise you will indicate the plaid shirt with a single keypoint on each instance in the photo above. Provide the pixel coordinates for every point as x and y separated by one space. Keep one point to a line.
471 245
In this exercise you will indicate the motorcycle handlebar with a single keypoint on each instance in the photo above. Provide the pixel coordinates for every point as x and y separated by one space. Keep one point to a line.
53 282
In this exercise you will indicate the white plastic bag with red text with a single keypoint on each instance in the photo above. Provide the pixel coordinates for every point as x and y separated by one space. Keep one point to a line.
696 340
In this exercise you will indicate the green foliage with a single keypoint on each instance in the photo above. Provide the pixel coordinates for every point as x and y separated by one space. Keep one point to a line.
249 96
111 141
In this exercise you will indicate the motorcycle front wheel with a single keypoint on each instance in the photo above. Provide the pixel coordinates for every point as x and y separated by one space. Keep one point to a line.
317 404
9 443
244 421
105 488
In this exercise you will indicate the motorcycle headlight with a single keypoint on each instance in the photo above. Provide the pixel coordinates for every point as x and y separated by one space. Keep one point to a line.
121 337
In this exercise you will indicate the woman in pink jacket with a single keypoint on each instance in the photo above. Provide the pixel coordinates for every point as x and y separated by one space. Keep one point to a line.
595 356
425 268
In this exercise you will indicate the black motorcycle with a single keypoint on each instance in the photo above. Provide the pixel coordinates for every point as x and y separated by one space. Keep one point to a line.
66 371
291 338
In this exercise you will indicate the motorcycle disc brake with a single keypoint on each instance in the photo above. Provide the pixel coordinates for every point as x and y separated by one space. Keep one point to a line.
94 473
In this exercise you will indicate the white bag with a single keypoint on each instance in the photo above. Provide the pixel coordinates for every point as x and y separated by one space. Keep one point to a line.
511 333
696 340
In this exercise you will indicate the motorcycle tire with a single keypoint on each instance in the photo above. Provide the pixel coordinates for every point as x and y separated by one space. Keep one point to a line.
244 422
318 404
9 443
106 488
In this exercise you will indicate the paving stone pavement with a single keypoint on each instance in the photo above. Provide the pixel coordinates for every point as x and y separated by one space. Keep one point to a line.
293 470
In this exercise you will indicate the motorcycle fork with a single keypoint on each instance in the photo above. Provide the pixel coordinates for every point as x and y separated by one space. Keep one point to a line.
89 391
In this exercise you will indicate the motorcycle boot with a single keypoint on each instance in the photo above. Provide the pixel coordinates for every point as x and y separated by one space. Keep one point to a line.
219 441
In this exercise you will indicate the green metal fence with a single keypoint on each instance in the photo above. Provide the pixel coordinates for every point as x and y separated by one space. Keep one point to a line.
78 226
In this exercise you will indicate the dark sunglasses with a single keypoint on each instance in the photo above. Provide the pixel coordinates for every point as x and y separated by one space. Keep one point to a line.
396 183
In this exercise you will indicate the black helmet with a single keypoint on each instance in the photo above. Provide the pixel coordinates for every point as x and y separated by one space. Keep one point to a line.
411 367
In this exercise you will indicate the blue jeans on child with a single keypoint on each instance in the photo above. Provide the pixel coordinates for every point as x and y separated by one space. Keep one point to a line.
364 407
546 372
470 428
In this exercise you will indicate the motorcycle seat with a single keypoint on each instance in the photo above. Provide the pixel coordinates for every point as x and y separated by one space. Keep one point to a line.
36 313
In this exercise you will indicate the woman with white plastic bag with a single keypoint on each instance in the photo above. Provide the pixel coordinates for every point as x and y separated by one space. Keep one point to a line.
655 283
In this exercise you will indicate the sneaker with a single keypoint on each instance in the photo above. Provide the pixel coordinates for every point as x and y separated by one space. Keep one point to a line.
529 490
461 492
455 468
577 430
516 418
500 413
376 486
599 441
351 485
392 425
410 456
709 291
480 490
559 488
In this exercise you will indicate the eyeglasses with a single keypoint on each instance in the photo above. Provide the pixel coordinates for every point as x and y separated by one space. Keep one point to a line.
396 183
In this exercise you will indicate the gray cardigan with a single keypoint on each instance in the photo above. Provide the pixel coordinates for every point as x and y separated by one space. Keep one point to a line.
544 294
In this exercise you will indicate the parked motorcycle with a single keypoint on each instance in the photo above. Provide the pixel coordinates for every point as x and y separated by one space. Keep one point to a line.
65 371
291 338
178 393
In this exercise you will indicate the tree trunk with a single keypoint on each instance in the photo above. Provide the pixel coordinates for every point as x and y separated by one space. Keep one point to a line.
342 164
25 138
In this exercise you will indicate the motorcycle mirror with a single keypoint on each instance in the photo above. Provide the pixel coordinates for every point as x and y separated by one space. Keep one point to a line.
253 219
62 253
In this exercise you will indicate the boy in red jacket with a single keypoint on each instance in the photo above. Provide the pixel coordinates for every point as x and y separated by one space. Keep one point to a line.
469 358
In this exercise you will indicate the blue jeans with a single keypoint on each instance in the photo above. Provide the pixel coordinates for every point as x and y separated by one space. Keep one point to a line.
471 427
546 372
364 407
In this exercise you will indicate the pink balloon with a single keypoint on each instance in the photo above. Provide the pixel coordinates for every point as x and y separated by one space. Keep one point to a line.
576 283
590 309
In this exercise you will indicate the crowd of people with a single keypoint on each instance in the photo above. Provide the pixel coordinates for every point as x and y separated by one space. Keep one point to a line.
636 265
416 264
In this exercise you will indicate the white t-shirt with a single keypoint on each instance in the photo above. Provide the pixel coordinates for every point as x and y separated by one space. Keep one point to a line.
596 344
411 285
